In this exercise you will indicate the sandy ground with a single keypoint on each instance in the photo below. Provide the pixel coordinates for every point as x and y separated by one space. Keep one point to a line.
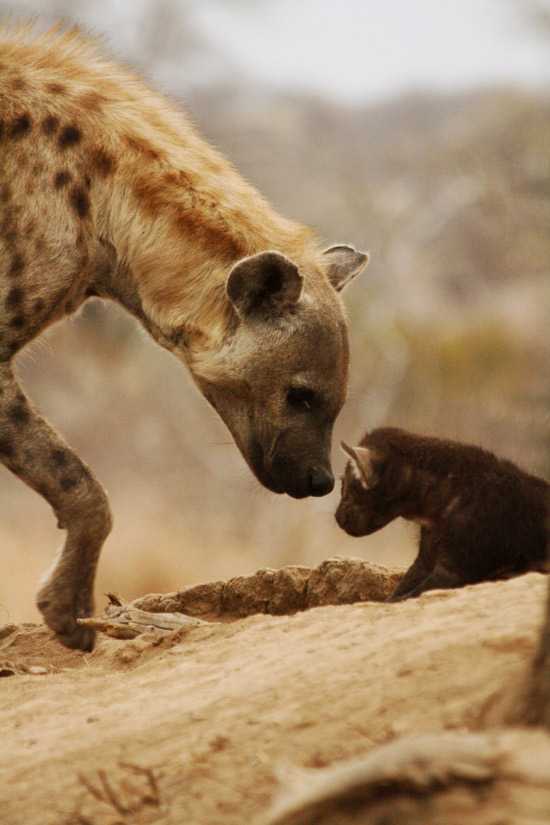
195 725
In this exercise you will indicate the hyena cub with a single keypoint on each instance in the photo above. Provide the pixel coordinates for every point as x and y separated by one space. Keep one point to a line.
480 516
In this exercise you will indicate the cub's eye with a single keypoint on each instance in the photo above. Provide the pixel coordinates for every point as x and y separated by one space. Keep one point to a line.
300 398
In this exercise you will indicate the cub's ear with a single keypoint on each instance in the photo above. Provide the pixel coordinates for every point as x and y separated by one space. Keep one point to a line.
264 284
342 264
363 464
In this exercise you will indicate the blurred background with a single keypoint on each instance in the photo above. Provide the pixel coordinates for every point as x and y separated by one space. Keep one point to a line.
420 131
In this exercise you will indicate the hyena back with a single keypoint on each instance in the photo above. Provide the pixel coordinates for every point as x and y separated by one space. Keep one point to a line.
106 190
481 516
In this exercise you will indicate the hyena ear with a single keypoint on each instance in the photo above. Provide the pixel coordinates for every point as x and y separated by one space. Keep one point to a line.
342 264
362 464
264 284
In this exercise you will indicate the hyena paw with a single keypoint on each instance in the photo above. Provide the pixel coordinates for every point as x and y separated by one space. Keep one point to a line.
60 615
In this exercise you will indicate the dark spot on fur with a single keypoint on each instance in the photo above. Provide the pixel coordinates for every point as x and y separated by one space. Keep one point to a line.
20 127
67 483
2 129
14 347
92 100
19 413
79 201
18 321
103 163
39 244
62 178
18 83
38 305
5 192
14 297
55 88
6 448
50 125
44 491
69 136
59 457
17 265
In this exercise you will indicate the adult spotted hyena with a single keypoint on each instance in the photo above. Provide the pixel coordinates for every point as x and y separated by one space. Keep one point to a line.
107 190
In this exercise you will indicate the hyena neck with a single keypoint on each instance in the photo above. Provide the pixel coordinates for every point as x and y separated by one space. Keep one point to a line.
115 280
423 473
425 496
195 218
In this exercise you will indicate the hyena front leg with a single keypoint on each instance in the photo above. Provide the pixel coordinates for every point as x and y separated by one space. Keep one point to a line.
419 570
416 574
441 578
32 450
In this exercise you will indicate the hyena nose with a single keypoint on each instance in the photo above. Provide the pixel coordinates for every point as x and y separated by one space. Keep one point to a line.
321 481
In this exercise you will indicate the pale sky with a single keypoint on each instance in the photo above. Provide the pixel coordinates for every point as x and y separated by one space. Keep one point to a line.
373 48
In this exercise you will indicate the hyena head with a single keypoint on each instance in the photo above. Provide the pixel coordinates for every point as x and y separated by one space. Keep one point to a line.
372 496
280 378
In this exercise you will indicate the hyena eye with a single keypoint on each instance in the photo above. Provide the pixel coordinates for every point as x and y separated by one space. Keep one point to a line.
300 398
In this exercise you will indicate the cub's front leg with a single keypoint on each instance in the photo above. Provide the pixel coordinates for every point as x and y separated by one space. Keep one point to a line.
32 450
441 578
429 571
419 569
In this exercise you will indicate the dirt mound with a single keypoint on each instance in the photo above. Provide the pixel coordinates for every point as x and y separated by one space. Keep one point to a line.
195 725
288 590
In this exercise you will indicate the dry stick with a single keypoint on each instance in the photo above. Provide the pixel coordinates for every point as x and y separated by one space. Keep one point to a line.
119 806
152 798
92 790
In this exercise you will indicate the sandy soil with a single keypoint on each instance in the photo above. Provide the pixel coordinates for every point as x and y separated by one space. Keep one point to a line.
195 725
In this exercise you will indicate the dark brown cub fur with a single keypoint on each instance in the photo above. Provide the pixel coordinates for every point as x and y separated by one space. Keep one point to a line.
481 516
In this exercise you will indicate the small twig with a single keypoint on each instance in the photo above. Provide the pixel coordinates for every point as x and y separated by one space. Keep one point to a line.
112 797
149 775
122 621
90 788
